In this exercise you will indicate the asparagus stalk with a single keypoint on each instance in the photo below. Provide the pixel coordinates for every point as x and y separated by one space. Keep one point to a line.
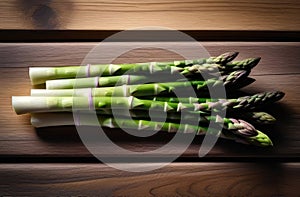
147 89
31 104
234 129
95 82
242 103
151 114
39 75
27 104
108 81
186 117
127 90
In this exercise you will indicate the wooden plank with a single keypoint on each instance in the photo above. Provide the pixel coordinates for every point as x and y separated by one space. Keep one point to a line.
177 179
18 137
277 57
175 14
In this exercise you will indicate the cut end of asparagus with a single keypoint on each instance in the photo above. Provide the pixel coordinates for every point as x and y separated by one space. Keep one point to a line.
18 104
38 75
25 104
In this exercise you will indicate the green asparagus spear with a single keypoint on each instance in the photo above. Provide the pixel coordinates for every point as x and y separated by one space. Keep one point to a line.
234 129
246 64
31 104
242 103
127 90
27 104
187 116
259 117
109 81
221 59
91 82
147 89
39 75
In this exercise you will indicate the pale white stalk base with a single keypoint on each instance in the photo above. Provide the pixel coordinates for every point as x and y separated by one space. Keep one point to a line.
23 104
38 74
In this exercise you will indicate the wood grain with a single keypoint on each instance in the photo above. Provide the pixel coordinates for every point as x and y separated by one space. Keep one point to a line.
179 179
128 14
278 69
277 57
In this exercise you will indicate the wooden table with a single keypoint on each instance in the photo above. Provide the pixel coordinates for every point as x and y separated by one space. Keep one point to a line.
53 161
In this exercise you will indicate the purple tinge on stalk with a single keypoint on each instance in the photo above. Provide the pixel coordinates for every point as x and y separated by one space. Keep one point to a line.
97 82
88 70
128 79
242 128
90 99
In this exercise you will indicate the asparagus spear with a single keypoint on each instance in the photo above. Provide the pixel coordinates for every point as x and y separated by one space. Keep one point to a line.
246 64
259 117
39 75
234 129
186 117
147 89
27 104
245 103
95 82
221 59
31 104
127 90
108 81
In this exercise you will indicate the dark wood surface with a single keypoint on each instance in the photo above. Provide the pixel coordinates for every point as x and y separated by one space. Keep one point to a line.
177 179
278 70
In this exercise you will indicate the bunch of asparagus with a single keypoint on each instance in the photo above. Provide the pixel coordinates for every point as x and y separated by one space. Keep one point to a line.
129 96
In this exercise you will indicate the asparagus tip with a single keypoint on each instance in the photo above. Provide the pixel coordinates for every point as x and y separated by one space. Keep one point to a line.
232 55
254 62
279 95
235 76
